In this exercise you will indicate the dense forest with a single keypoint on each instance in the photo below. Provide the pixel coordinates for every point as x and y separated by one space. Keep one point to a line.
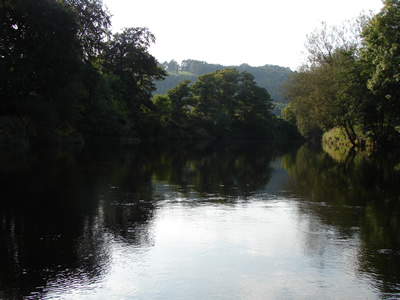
269 77
67 79
349 91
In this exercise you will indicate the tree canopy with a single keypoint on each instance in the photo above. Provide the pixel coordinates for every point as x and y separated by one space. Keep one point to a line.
351 80
224 103
93 22
64 81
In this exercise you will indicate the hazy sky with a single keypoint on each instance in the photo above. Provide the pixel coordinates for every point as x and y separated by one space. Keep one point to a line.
231 32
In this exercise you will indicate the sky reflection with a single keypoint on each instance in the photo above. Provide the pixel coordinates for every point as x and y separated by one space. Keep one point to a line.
250 250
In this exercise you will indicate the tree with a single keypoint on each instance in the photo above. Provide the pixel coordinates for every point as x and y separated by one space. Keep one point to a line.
181 99
255 101
206 90
382 56
93 25
199 67
105 116
227 99
382 49
298 90
40 66
328 92
324 41
127 56
163 106
215 93
172 66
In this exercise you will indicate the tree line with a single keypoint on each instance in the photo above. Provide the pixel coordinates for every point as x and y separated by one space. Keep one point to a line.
349 89
67 79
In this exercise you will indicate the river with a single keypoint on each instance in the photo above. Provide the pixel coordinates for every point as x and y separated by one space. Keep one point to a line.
199 221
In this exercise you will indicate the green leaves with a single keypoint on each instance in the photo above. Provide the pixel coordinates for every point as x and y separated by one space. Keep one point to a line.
127 56
382 37
60 77
224 102
349 83
40 66
93 25
382 56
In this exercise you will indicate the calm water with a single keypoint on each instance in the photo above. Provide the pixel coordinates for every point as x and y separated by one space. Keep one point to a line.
200 221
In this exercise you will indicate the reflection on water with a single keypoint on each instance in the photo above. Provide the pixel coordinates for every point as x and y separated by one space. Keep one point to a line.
215 221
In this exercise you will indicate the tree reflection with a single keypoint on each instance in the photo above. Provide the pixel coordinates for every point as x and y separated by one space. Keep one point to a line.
357 198
54 218
61 211
222 170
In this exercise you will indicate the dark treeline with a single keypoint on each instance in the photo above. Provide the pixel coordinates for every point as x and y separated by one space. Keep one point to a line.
67 79
270 77
349 90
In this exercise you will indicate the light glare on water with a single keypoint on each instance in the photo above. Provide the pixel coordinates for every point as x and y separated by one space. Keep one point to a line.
253 249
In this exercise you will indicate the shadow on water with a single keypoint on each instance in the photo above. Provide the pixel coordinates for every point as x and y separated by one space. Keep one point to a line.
60 210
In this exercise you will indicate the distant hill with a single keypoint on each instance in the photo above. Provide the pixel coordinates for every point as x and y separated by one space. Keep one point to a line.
268 76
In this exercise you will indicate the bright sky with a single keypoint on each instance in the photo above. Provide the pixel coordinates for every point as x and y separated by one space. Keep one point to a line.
232 32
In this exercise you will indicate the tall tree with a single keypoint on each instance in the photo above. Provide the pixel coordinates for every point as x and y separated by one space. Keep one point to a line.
206 89
93 22
254 104
326 92
40 66
127 56
382 55
227 98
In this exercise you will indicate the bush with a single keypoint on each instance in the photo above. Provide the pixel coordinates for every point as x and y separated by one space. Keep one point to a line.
13 133
336 137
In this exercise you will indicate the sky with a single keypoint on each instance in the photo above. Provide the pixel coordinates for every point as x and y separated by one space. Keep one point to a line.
232 32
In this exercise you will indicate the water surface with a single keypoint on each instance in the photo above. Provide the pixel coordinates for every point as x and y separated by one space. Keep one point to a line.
199 221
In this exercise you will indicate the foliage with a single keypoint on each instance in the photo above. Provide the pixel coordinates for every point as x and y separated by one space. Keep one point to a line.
105 116
163 107
93 25
270 77
127 57
13 132
382 49
40 66
381 55
171 66
336 137
224 103
62 80
67 80
288 115
351 80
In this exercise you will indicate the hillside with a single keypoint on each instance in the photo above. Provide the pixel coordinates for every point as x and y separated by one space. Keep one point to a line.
268 76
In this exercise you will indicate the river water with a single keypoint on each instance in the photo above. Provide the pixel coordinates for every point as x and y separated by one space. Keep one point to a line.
199 221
